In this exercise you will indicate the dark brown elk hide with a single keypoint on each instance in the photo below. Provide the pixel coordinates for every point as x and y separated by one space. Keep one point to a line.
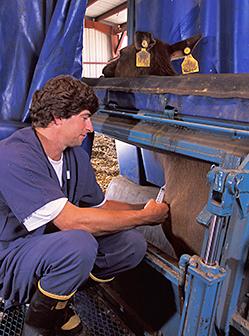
161 55
187 193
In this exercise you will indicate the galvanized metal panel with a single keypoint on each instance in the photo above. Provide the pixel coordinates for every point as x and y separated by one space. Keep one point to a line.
96 51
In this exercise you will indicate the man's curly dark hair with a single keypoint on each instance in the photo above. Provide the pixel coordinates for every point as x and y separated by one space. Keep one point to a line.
62 97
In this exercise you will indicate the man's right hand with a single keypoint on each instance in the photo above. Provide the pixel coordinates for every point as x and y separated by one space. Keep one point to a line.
156 212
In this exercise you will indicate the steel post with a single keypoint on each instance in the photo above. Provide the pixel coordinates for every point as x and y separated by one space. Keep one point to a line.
201 298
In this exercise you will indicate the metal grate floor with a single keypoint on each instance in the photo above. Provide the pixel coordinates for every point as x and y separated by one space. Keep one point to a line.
97 317
11 322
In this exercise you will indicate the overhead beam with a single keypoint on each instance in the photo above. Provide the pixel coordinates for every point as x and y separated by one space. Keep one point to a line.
91 2
111 12
103 28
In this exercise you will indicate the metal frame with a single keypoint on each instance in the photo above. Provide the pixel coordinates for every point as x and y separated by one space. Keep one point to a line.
207 279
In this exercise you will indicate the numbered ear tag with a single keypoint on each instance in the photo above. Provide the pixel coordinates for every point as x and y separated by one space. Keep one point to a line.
143 56
189 64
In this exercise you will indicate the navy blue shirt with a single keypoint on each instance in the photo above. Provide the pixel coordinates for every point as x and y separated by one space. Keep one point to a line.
28 182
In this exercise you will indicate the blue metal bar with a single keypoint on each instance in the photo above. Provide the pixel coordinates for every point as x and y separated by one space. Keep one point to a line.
202 296
181 147
223 123
155 137
170 271
174 115
235 133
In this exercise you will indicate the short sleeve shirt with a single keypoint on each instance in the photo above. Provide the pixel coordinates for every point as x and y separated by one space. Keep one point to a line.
28 182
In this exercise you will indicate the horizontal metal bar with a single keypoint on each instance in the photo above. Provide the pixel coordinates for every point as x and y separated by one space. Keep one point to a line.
240 324
204 85
220 123
163 266
235 133
158 137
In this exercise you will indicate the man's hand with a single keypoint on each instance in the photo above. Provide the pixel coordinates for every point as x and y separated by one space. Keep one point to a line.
156 212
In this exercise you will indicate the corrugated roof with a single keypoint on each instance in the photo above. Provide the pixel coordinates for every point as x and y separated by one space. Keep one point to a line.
118 18
101 7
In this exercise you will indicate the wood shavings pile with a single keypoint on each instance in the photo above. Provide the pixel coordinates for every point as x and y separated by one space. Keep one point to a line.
104 160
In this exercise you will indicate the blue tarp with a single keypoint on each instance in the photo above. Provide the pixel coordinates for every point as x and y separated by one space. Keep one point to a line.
224 25
39 40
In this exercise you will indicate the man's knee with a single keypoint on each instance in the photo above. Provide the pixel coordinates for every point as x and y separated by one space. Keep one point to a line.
80 244
75 250
119 252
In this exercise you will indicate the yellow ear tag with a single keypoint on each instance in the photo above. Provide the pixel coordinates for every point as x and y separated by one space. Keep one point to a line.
143 56
189 64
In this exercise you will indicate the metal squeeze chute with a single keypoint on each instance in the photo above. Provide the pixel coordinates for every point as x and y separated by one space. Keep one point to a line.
202 119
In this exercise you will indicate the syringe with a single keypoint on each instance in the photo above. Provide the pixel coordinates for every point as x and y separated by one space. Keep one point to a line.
161 193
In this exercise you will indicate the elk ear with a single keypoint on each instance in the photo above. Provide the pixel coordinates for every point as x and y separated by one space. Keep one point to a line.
176 50
139 37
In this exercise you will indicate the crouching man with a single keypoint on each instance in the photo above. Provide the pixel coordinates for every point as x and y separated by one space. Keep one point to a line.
56 227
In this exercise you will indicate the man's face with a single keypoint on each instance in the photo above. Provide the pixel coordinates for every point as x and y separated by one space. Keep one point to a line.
76 127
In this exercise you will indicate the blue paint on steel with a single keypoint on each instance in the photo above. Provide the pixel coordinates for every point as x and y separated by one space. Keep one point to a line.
153 170
204 217
201 298
226 184
159 140
229 109
221 198
129 161
170 327
226 187
206 121
235 253
181 147
169 275
184 260
235 132
169 270
233 258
